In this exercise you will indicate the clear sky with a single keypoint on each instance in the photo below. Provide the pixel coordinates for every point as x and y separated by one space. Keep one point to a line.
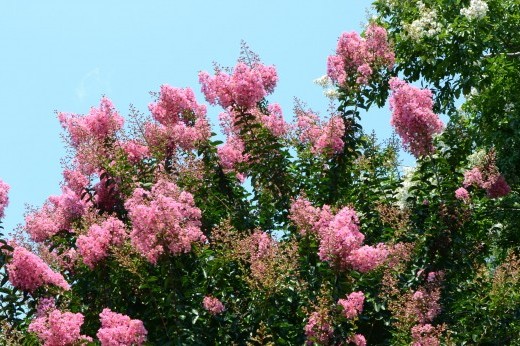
64 55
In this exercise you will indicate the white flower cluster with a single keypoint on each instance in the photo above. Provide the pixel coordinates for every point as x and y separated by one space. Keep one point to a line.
425 26
477 158
403 192
509 107
323 81
477 10
330 90
390 3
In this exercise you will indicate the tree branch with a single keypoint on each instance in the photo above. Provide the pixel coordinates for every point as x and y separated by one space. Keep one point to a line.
515 54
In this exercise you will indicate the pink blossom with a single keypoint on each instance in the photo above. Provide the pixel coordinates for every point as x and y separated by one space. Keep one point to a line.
94 246
358 340
76 181
92 135
340 238
118 330
28 272
165 218
462 194
336 69
274 121
135 151
269 76
45 306
68 204
57 214
99 124
213 305
367 258
176 105
262 243
324 219
243 88
56 328
351 48
473 177
381 52
231 153
324 138
425 335
356 57
64 260
158 137
435 277
413 117
498 188
304 215
353 305
4 197
331 137
426 304
183 119
318 329
364 71
308 125
246 86
488 179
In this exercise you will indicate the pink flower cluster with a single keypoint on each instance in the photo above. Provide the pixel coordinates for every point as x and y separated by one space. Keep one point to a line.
134 151
462 194
94 246
425 335
261 247
57 214
242 89
318 329
262 244
75 180
274 121
4 197
59 329
28 272
304 215
56 328
231 153
358 340
213 305
341 242
356 57
424 304
99 124
118 330
353 305
366 258
324 138
165 218
182 121
340 237
331 137
488 179
413 117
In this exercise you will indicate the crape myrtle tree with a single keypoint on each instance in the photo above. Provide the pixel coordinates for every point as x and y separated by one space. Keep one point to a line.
286 233
468 53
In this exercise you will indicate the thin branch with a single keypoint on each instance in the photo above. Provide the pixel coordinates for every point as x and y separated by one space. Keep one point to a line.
489 55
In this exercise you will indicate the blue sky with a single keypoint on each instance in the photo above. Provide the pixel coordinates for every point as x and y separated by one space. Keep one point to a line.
64 55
